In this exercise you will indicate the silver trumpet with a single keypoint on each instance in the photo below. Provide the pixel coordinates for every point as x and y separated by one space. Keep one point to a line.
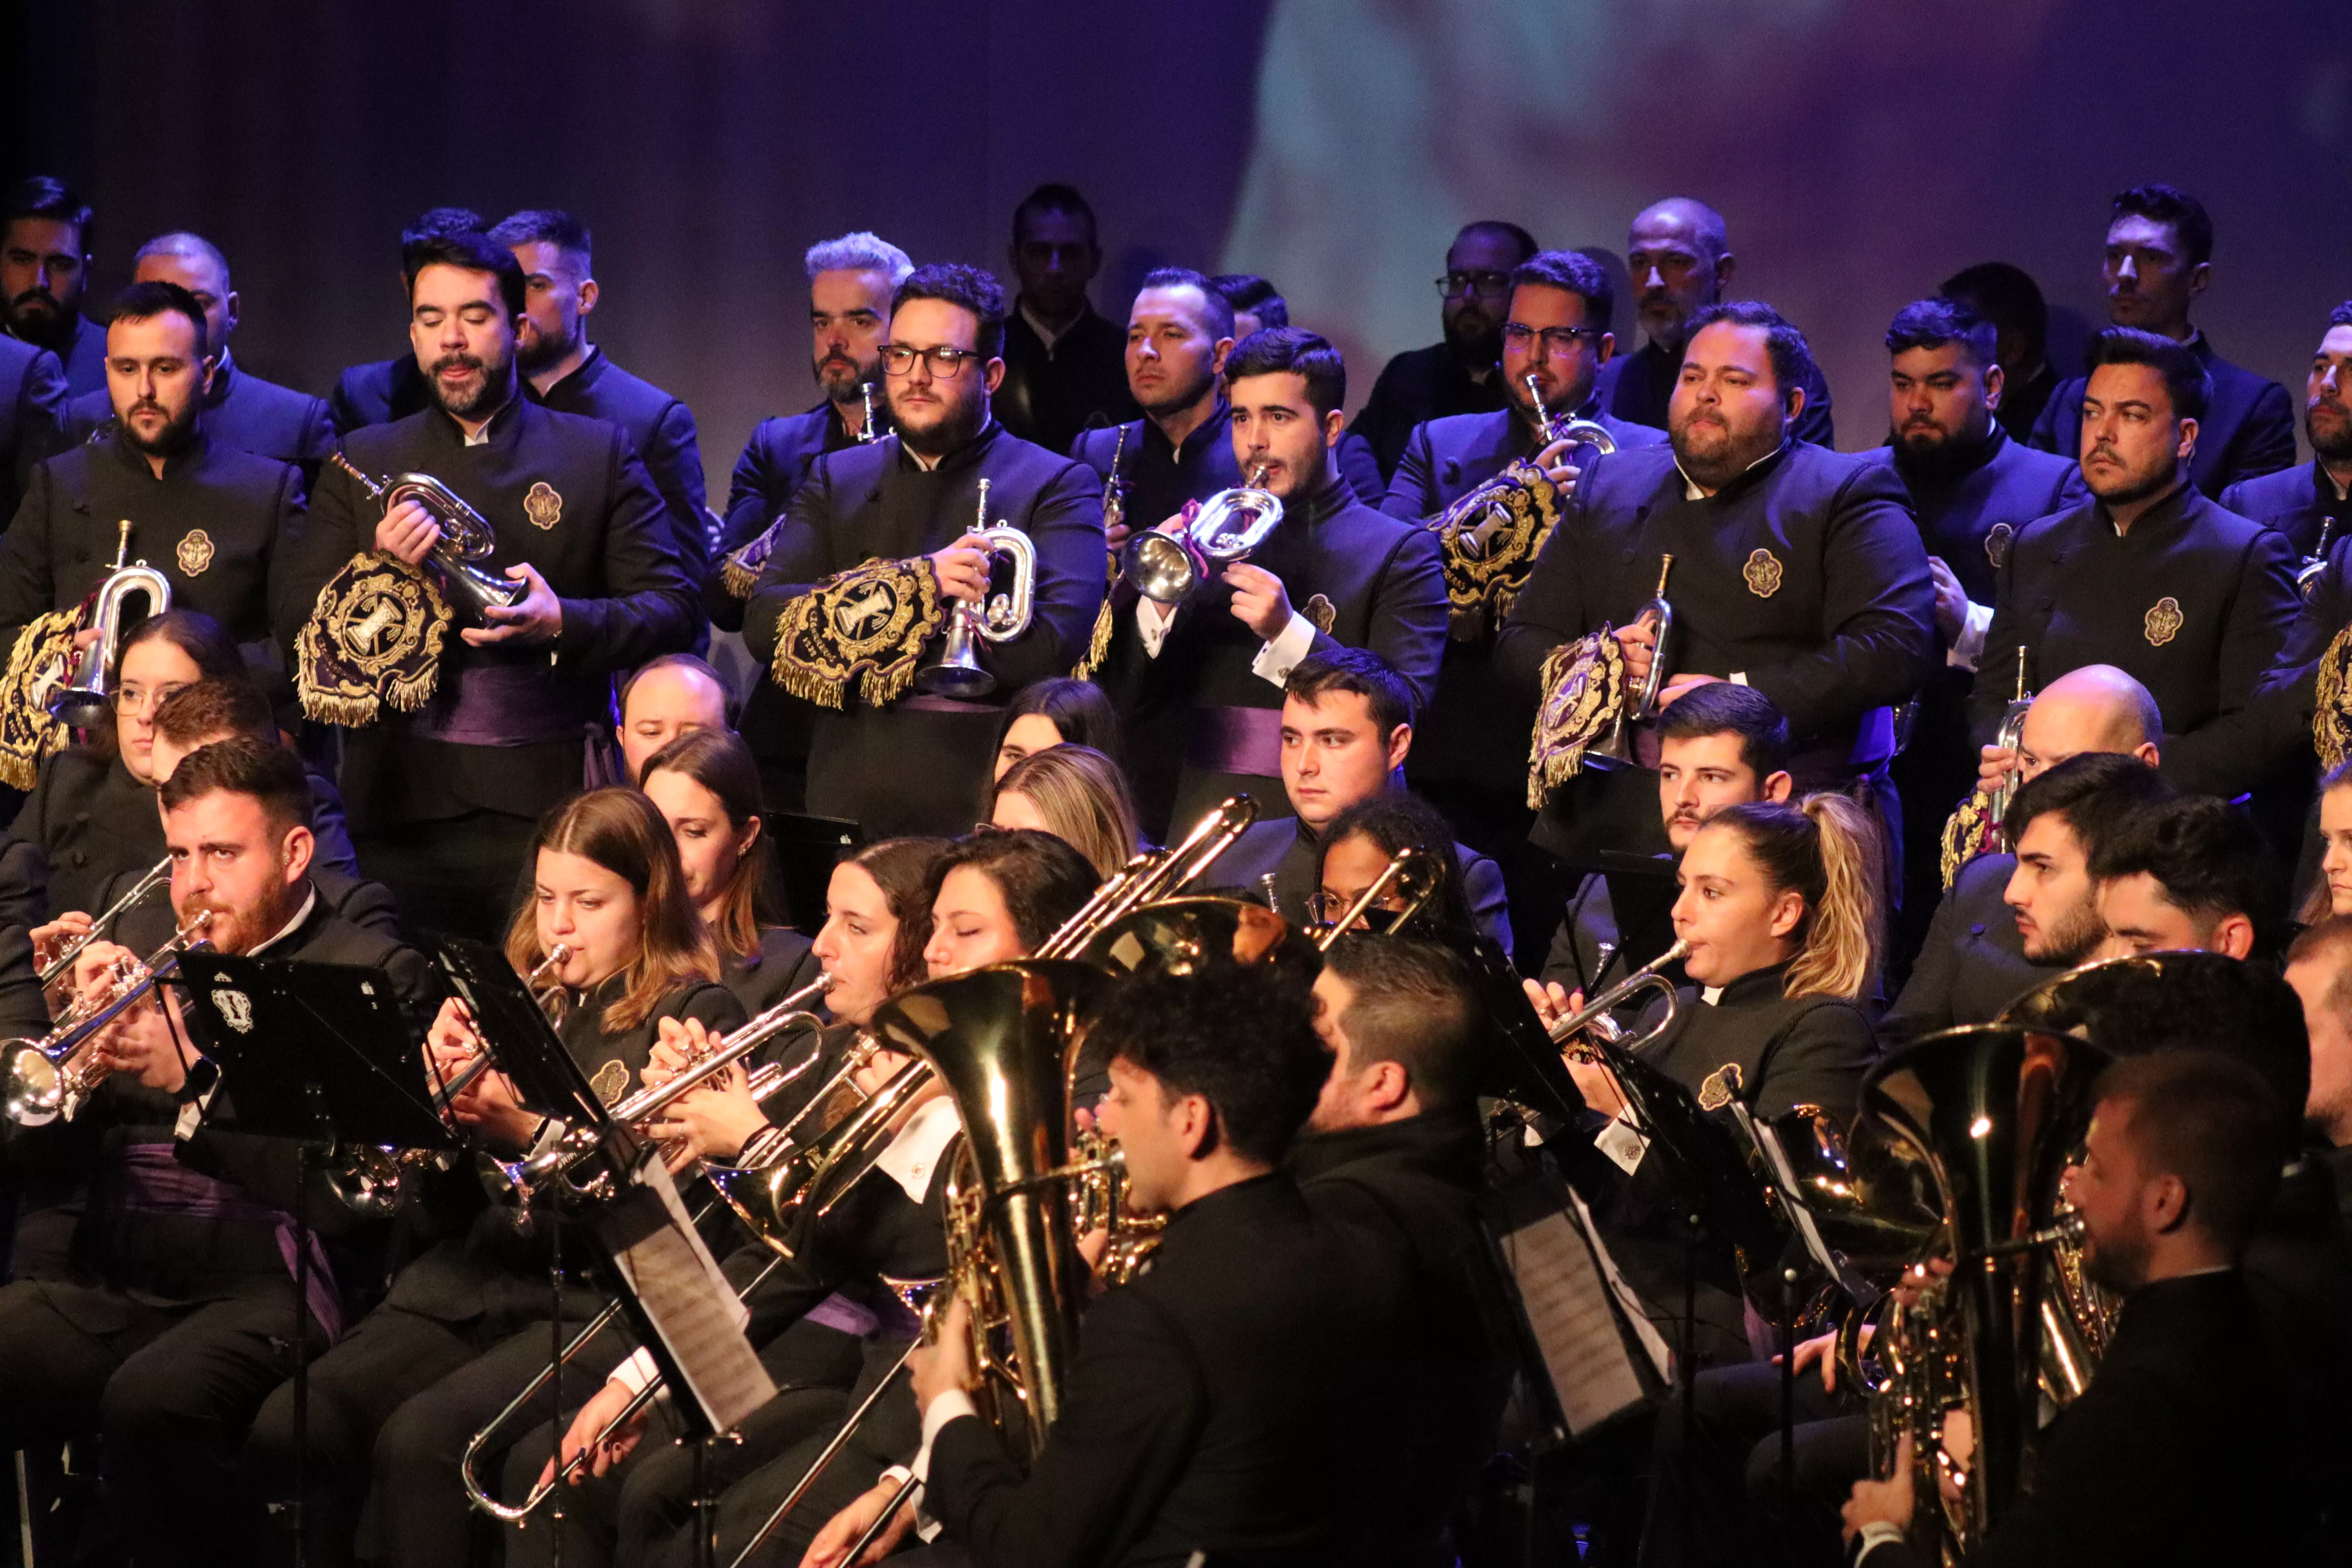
1167 567
2307 575
2010 736
156 877
466 538
958 672
1594 1018
867 431
1552 428
44 1081
1641 700
84 699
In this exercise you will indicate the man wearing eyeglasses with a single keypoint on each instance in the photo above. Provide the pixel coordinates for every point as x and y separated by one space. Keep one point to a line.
1463 374
1472 762
1679 256
876 553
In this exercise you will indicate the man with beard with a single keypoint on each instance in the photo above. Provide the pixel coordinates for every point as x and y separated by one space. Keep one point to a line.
1333 573
44 271
1796 569
2308 505
214 520
1678 254
2149 576
2184 1448
1461 375
2058 823
443 799
171 1324
1257 305
2159 258
1062 369
875 554
563 370
1473 759
382 391
2008 298
240 410
1971 488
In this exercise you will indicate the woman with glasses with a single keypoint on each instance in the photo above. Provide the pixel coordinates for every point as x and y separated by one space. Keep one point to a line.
1363 839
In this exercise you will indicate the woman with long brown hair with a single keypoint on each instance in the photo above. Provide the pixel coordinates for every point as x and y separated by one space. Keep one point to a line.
1075 794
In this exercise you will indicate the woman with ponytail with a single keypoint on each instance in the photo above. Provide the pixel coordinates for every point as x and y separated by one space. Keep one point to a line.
1780 906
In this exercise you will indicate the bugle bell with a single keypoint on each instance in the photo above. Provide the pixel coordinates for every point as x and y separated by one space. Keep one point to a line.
466 538
958 672
85 698
1166 567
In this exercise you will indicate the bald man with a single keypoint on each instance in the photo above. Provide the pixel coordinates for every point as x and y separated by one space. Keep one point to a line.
1678 254
240 410
1973 960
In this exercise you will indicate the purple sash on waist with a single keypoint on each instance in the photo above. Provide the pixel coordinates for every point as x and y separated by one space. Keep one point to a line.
1236 740
890 1319
500 704
156 1182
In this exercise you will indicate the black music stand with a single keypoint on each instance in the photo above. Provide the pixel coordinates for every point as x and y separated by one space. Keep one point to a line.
319 1054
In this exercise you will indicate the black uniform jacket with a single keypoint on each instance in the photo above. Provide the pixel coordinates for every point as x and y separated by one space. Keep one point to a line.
780 965
1968 513
241 410
377 393
1804 576
1226 1402
2247 428
919 763
2289 688
1288 851
1474 730
32 413
24 904
1366 581
1415 387
82 357
222 525
1156 475
2180 1451
769 474
1049 395
479 1264
1414 1187
1639 386
1791 1051
660 428
2194 604
2301 502
1973 961
605 549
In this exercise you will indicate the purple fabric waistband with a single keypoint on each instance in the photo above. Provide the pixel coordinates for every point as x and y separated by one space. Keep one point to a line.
1236 740
156 1182
499 705
838 1311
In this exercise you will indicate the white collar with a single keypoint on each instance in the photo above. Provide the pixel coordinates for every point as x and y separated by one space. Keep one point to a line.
1711 994
309 899
1691 490
1046 334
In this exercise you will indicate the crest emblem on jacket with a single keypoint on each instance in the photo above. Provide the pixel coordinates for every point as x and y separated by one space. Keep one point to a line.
542 505
1997 539
235 1009
2164 621
1763 573
1323 613
195 551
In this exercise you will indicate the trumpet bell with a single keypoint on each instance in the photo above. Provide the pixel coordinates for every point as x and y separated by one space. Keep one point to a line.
1167 567
37 1085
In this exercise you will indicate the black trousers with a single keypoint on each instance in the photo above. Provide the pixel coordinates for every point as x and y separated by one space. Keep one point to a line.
170 1391
457 875
1734 1511
391 1409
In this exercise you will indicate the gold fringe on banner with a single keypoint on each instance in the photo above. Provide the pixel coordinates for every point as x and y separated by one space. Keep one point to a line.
44 652
2331 725
868 625
1967 835
1583 683
374 638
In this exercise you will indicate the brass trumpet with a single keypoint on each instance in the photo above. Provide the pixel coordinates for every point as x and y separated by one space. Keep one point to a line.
958 672
44 1081
156 877
84 699
466 538
1167 567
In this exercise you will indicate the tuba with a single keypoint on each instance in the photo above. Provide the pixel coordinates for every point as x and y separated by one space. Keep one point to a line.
466 538
1166 568
958 672
85 698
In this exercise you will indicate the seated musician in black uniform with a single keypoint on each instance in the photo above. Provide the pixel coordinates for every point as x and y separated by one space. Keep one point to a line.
2183 1448
240 410
1226 1402
995 897
92 813
1394 1146
1075 794
466 1324
1973 960
215 520
2158 260
708 788
443 796
1333 573
2190 875
876 553
1053 713
2307 502
154 1296
2060 822
1360 842
379 391
1347 728
2191 601
1796 569
2331 891
2317 968
1473 730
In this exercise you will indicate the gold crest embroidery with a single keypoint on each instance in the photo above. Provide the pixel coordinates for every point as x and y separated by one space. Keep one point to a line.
36 664
374 637
866 626
2331 719
1488 542
1997 539
195 551
1968 833
1323 613
1719 1088
2164 621
544 506
1584 684
1763 573
611 1082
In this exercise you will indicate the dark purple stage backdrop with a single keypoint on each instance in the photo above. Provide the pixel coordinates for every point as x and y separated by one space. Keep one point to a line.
1860 150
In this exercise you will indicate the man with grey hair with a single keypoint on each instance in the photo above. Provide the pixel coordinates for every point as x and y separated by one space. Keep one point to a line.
1678 256
238 408
563 370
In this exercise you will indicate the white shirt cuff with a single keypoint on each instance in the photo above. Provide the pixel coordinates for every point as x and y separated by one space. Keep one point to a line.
1738 677
637 1373
949 1406
1968 648
1277 658
1878 1532
1151 618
